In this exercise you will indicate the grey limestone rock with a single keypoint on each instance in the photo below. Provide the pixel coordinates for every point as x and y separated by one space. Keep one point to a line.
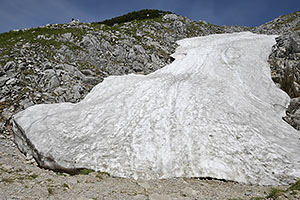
139 49
48 74
285 67
2 72
67 37
92 80
11 81
293 113
54 82
172 17
9 65
3 80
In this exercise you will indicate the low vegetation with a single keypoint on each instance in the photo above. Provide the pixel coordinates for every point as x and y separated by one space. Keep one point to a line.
136 15
50 191
101 175
275 193
7 180
85 171
295 186
44 40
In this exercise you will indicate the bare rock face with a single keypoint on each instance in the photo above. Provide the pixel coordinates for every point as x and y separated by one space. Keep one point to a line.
214 112
285 66
285 63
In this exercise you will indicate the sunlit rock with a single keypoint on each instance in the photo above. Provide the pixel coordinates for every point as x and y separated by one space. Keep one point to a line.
214 112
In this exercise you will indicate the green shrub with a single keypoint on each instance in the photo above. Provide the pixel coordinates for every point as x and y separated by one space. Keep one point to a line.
136 15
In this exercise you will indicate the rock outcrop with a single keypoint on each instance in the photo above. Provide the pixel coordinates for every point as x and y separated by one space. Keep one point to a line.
285 66
214 112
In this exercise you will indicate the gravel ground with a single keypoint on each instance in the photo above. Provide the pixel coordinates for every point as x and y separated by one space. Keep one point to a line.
20 178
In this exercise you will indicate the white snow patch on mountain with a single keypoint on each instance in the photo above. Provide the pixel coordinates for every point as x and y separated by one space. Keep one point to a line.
214 112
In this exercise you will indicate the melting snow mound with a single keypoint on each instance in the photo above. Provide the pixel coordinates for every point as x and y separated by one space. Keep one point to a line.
214 112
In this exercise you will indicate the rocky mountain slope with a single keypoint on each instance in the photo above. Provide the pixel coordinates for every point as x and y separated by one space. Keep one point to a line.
62 62
285 60
281 25
213 112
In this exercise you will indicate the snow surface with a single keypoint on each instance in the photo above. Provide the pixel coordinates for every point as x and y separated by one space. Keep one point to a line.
214 112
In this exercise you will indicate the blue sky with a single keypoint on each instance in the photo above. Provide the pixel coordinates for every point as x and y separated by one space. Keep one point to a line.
17 14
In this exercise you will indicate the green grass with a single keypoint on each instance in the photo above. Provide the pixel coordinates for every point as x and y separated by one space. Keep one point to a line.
295 186
85 171
60 174
11 37
297 28
100 175
12 42
34 176
21 178
8 180
275 193
289 17
288 20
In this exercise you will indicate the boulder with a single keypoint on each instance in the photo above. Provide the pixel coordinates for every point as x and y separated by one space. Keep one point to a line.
9 65
171 17
54 82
